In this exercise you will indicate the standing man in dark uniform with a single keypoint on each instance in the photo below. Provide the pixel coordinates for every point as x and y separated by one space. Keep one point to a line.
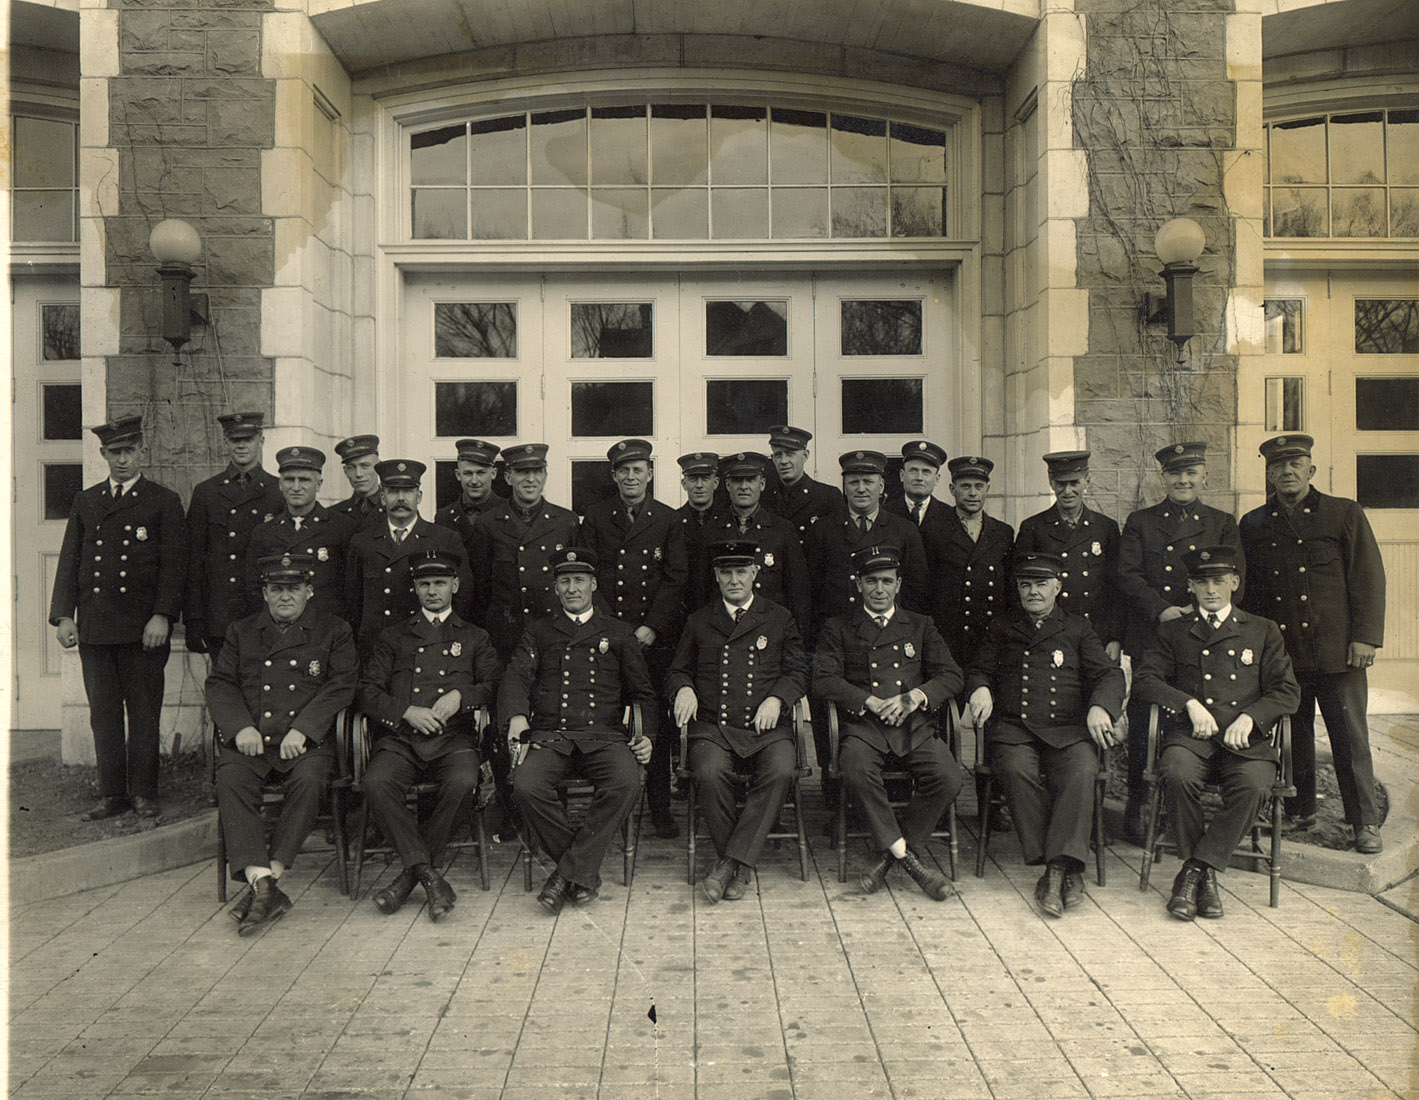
1314 567
699 477
223 512
378 588
519 536
1153 581
888 670
1224 679
1086 540
121 567
303 526
783 573
738 671
1047 694
795 496
570 679
360 455
302 665
420 689
975 581
475 466
644 566
921 469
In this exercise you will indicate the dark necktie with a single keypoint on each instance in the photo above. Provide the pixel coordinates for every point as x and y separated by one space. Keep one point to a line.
117 492
738 614
399 533
862 524
1214 621
881 621
916 513
243 479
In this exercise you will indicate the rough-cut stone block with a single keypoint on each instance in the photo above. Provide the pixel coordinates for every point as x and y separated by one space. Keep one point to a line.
193 41
143 30
173 135
248 122
228 88
1096 376
233 53
215 20
217 158
232 190
166 63
242 260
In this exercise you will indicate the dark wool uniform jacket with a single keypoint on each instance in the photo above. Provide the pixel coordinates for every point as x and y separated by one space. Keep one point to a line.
643 564
361 511
122 562
855 659
733 667
1318 574
573 682
783 572
1044 681
1090 553
1151 573
221 516
804 503
325 536
279 680
1239 668
378 587
513 563
416 662
831 544
696 530
461 518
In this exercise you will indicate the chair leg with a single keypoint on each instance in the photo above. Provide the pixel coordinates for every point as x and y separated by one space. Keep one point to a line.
342 842
1275 869
802 830
840 831
526 867
1150 834
1099 853
481 831
691 820
986 792
630 830
952 847
221 861
362 825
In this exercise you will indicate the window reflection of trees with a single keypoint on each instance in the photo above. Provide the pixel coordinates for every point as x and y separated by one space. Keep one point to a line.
475 408
612 330
60 326
475 330
746 328
1387 326
885 327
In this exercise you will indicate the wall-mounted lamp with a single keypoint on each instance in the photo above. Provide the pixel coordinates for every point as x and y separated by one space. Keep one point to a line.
1178 243
176 246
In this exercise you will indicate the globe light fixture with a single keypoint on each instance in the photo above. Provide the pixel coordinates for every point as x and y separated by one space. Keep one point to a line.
1178 243
176 246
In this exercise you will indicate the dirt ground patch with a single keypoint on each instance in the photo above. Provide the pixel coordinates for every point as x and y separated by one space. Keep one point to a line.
47 797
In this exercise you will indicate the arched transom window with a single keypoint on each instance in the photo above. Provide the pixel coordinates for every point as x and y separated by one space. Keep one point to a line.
678 172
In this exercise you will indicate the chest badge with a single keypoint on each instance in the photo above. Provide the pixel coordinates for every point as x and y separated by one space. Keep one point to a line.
761 643
1097 550
1248 657
313 668
141 534
768 561
909 650
1057 658
658 553
604 646
267 518
322 554
455 649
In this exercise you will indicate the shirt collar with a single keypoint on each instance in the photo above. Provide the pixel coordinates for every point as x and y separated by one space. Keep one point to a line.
1221 616
924 504
124 485
731 609
408 528
580 619
439 617
888 614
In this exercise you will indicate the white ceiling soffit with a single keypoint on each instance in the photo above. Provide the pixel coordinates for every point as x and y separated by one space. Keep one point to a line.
1338 24
983 35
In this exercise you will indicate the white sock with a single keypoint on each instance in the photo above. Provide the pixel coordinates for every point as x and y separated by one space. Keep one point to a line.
253 874
277 868
898 847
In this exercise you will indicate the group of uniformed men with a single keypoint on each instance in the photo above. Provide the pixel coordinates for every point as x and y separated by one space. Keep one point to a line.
720 615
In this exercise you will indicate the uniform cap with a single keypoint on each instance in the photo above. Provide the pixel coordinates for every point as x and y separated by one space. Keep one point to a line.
522 455
126 429
433 563
1211 561
276 568
574 559
629 450
357 446
1067 463
789 437
875 559
727 552
925 450
300 458
400 473
1286 446
970 466
744 464
241 425
863 462
699 462
1038 565
477 450
1177 455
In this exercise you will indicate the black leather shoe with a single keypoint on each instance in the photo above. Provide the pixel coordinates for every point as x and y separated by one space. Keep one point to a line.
933 883
663 821
145 807
1209 895
554 894
1135 824
739 885
268 906
718 879
1367 840
1072 892
440 894
578 894
392 898
110 806
1049 891
875 877
1183 903
241 906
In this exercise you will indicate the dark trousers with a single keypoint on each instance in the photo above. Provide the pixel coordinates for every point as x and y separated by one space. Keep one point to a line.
1244 784
936 781
1344 699
214 648
119 678
239 782
1137 712
394 767
611 769
657 775
737 835
1051 795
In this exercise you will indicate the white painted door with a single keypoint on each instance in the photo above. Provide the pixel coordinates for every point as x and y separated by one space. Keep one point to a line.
48 461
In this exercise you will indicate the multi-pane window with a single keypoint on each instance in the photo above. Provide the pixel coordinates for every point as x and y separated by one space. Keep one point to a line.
678 172
1351 174
45 188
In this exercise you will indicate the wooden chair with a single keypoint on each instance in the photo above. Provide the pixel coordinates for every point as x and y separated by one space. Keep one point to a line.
575 787
983 771
895 775
793 801
361 747
273 795
1268 821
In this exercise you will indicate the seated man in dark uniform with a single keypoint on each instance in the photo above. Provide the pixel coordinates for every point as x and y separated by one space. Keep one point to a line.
1223 677
569 680
888 670
1045 691
738 671
301 664
420 688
